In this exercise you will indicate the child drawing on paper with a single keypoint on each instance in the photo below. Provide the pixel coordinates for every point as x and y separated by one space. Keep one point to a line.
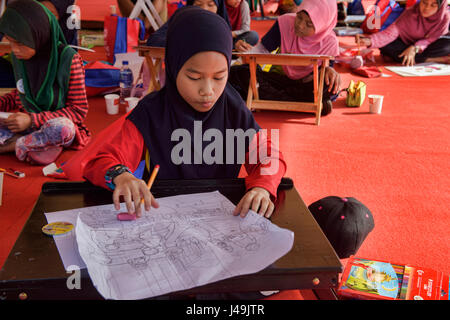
416 36
195 91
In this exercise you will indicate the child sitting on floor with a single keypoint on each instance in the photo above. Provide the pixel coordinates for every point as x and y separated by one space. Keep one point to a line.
309 31
239 15
416 36
49 105
158 38
196 93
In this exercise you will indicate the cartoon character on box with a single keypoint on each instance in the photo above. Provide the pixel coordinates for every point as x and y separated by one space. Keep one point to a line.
373 277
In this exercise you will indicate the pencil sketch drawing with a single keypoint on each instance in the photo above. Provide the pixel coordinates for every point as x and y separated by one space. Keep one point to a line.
189 241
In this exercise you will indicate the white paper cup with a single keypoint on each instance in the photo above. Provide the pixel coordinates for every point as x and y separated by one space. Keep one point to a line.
131 103
112 103
375 103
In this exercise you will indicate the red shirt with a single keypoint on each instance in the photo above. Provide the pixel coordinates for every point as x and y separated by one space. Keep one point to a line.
76 107
127 145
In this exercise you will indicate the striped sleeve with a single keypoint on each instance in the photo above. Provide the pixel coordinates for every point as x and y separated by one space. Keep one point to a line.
8 102
76 107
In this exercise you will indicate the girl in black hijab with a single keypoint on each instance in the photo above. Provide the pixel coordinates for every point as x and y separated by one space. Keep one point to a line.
158 38
196 98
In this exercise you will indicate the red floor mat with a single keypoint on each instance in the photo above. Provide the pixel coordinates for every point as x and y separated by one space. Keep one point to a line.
396 163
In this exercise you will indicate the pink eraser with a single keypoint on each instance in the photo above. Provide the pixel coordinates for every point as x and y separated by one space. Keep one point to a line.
125 216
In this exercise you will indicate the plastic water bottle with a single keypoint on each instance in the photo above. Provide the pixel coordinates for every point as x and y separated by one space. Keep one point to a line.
125 81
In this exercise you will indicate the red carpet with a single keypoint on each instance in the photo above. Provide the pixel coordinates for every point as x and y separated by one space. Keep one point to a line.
395 163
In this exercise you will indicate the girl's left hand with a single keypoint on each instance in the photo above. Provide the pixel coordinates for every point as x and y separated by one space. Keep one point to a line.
18 122
332 79
242 46
409 56
257 199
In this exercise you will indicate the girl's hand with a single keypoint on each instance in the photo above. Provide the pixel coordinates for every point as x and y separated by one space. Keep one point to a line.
132 190
409 56
332 79
17 122
363 41
256 198
242 46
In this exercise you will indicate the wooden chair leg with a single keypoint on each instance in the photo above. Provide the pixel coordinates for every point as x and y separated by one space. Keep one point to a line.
249 97
158 66
317 101
253 79
153 83
320 93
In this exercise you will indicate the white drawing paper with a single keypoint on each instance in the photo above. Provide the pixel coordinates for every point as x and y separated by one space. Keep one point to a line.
5 115
191 240
425 69
67 243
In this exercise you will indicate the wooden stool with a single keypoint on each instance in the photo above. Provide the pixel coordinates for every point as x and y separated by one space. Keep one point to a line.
253 101
154 56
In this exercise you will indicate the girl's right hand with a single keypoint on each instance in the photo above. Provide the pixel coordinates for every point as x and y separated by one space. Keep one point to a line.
242 46
132 190
363 41
18 122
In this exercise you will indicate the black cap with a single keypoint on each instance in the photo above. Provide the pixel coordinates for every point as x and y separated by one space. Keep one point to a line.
345 221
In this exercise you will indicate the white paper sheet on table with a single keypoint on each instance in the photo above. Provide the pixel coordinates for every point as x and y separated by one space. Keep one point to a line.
191 240
67 243
425 69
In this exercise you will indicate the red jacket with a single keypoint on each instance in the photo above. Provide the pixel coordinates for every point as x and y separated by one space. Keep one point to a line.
127 145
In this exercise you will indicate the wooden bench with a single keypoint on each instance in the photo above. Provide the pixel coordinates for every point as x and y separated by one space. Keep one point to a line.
253 101
154 57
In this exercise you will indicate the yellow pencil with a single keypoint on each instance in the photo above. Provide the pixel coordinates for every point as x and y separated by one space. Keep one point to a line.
8 173
152 179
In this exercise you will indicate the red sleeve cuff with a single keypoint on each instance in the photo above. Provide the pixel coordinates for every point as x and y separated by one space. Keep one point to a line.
269 168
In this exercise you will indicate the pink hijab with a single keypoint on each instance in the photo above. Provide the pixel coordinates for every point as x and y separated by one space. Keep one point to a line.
323 14
412 27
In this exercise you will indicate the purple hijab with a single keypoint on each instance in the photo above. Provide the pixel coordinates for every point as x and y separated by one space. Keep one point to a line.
412 26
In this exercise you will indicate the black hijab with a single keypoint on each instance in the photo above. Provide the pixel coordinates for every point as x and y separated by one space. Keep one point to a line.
191 30
221 9
61 7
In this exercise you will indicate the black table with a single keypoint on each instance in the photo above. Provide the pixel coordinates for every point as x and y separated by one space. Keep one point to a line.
34 269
